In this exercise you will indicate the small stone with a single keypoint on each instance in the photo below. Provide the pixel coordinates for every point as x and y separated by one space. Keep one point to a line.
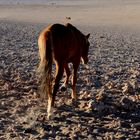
137 126
109 85
127 88
95 131
90 137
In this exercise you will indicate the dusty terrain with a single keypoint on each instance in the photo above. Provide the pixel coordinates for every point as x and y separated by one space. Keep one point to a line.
124 13
108 104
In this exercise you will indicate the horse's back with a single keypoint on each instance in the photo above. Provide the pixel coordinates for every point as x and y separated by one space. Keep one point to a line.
62 41
58 31
65 42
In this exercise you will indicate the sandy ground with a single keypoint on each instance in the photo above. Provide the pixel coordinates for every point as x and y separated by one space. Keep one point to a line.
108 104
90 13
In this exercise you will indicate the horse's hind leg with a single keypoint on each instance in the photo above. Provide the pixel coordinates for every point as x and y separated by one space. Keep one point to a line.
51 98
59 74
64 86
49 105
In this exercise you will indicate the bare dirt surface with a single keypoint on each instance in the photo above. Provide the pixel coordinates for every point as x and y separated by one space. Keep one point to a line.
108 104
84 12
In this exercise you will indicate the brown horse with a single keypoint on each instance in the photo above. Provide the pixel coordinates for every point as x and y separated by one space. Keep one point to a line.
61 44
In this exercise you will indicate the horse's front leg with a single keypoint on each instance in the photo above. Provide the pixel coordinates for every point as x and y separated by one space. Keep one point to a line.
75 67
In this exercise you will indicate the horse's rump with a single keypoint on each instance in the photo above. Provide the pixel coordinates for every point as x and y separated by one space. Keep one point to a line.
45 66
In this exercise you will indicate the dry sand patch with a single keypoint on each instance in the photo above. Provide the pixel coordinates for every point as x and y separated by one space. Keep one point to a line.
108 91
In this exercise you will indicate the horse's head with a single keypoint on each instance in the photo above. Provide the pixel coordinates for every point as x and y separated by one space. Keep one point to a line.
85 49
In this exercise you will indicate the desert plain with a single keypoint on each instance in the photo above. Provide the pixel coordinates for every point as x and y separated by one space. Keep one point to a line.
108 89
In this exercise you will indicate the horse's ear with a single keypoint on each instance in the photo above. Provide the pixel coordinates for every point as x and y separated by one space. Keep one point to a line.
87 36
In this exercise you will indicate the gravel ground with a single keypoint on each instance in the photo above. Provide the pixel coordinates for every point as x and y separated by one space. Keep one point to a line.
108 104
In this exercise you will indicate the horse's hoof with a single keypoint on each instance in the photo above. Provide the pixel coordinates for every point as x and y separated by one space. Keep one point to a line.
63 88
48 116
50 113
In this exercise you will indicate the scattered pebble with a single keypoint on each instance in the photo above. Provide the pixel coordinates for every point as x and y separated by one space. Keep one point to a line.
108 88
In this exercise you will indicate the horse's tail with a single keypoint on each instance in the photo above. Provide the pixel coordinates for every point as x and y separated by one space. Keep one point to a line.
45 66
